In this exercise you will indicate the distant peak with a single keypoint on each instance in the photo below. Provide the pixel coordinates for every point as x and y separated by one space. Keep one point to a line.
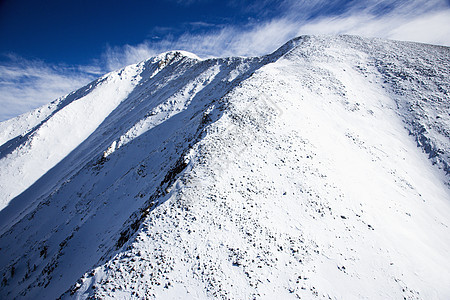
169 55
288 46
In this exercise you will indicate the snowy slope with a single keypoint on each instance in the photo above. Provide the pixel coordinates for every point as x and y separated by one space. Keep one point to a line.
320 170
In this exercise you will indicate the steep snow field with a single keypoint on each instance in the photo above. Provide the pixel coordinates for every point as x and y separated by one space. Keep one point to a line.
318 171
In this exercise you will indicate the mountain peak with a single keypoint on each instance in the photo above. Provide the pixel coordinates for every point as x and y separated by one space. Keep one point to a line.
320 170
174 54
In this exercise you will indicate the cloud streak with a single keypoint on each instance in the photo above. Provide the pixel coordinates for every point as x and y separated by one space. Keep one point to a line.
420 21
25 84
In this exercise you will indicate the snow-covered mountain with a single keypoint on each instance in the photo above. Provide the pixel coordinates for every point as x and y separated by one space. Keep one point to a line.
318 171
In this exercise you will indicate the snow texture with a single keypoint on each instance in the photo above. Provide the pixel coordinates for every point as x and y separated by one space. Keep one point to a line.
318 171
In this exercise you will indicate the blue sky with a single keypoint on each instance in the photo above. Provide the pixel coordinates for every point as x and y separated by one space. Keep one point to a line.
49 48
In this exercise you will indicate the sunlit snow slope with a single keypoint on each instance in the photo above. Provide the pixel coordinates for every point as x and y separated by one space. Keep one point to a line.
318 171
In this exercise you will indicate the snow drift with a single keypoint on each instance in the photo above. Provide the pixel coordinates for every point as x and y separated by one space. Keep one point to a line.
320 170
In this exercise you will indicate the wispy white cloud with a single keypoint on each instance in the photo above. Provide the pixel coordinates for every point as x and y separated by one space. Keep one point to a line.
433 28
255 39
119 56
25 84
420 21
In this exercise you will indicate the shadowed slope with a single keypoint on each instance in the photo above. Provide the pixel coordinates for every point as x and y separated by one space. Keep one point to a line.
108 179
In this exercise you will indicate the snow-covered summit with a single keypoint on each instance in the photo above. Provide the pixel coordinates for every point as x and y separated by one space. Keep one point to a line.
320 170
174 53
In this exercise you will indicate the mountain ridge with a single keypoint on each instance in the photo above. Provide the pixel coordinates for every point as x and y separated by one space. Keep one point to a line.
216 139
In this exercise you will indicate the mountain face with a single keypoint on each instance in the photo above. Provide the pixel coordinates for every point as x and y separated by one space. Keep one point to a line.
318 171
